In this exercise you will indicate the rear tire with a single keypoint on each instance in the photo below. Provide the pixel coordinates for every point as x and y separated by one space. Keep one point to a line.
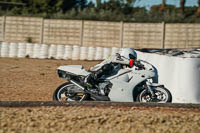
163 95
69 92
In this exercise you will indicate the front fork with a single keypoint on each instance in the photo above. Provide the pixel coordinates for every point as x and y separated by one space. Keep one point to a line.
149 88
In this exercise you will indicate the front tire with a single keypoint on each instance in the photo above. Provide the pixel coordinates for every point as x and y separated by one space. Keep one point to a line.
69 92
162 95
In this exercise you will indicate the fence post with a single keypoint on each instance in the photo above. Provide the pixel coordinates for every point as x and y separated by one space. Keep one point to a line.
42 31
163 36
3 27
81 32
121 33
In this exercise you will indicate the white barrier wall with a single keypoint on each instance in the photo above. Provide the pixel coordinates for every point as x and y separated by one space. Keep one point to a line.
180 75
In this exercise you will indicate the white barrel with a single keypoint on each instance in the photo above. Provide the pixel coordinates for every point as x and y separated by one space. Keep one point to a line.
0 49
106 53
91 53
68 52
36 50
114 51
60 51
99 53
13 49
5 49
76 53
21 50
83 53
29 50
52 51
44 51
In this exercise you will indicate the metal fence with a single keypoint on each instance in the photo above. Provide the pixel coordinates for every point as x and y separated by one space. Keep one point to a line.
99 33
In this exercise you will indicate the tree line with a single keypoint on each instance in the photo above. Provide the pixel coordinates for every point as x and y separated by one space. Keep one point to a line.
111 10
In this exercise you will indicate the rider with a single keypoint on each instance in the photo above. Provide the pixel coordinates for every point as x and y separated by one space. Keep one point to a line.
126 56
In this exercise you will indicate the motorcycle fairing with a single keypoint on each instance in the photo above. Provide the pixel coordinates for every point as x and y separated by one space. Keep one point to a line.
122 91
75 69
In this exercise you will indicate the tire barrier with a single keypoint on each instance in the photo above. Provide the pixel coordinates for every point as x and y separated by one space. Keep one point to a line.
13 50
91 53
99 53
106 52
68 52
29 50
21 50
4 49
114 50
0 49
60 51
44 51
83 53
76 53
36 50
52 51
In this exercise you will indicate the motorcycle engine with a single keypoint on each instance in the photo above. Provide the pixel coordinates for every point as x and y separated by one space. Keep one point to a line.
105 87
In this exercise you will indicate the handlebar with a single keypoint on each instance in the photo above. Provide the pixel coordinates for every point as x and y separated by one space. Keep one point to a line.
139 65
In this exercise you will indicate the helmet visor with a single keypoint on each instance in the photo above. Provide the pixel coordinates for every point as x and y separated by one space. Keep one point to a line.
131 56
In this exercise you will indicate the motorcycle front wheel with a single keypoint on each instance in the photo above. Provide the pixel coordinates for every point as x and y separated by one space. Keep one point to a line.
162 95
69 92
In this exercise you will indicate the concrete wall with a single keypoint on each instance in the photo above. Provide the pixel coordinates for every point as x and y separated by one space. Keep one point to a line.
62 32
99 33
142 35
182 35
19 29
2 28
105 34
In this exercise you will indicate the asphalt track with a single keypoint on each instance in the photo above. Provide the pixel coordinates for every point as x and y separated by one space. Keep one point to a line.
95 104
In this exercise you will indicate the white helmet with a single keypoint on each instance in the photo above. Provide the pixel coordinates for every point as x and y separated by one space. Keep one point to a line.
128 53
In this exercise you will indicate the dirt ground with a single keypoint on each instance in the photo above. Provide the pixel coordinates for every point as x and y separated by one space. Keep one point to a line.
36 80
32 79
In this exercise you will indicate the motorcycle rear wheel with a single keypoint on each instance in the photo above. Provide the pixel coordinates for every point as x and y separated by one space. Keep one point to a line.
163 95
69 92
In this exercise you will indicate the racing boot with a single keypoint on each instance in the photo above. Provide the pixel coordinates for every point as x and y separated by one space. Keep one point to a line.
91 82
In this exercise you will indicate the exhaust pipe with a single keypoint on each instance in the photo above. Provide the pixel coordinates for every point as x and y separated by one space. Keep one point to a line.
101 98
72 81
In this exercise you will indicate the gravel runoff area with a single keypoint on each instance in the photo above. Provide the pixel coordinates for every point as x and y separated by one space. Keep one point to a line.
84 119
32 79
36 80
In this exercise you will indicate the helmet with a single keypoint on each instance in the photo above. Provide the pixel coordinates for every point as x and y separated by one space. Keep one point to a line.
128 53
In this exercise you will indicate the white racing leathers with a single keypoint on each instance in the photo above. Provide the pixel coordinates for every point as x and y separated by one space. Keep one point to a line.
109 61
105 68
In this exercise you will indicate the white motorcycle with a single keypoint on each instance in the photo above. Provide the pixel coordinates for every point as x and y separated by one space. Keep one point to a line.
123 85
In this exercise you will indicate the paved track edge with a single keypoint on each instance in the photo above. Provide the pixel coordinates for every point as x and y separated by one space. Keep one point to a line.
95 104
